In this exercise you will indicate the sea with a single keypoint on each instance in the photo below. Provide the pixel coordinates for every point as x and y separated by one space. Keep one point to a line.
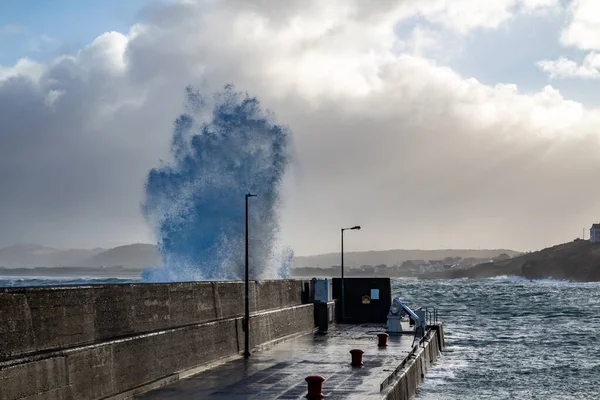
506 337
512 338
7 281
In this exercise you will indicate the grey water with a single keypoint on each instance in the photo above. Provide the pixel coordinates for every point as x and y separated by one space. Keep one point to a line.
506 338
12 282
509 338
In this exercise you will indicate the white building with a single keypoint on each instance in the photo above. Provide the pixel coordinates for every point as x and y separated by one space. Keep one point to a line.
595 233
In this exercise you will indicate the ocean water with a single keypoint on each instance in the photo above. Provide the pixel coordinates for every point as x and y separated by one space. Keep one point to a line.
506 338
8 281
510 338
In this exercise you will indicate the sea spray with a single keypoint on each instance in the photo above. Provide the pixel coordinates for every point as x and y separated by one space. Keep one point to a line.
223 147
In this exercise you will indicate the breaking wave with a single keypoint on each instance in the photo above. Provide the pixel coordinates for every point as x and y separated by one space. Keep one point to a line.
223 147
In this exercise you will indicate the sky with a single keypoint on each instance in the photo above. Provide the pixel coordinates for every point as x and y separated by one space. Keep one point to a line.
432 124
42 30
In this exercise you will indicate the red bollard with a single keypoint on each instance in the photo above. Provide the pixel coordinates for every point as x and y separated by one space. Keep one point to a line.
382 339
315 386
357 357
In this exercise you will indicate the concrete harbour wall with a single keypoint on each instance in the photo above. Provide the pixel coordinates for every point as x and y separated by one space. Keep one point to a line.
50 318
403 383
100 342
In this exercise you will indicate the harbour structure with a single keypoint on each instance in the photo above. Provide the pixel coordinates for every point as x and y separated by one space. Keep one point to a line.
595 233
186 340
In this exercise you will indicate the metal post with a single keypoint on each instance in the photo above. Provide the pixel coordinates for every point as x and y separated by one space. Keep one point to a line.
342 266
246 300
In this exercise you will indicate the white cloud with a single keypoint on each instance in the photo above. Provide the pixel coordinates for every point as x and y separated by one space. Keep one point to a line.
52 96
24 68
583 30
466 15
566 68
389 140
106 52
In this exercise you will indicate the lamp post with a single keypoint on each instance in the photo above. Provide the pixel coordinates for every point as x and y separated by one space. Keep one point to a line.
247 306
357 227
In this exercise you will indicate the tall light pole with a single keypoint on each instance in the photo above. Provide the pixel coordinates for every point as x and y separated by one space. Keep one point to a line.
343 292
247 311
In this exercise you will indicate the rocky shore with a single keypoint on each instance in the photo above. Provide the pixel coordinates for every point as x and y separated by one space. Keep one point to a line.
576 261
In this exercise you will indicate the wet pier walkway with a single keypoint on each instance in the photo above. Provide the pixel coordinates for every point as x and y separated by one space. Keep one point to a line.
279 372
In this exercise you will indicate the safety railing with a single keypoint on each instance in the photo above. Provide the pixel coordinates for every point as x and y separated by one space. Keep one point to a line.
431 315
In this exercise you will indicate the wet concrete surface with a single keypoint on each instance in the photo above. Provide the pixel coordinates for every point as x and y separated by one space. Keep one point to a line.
279 372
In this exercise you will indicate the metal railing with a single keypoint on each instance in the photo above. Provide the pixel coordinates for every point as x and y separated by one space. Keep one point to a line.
431 315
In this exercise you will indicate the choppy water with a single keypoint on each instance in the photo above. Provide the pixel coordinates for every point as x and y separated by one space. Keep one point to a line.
58 281
509 338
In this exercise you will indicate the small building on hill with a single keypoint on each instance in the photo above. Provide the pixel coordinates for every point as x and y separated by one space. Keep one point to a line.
595 233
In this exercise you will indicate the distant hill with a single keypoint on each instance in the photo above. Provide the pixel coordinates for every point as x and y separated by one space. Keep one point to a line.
577 261
393 257
135 256
141 255
33 255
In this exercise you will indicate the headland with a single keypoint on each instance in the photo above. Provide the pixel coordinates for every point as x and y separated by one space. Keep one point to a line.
574 261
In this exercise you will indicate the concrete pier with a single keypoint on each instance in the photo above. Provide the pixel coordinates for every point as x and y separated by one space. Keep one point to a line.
97 342
393 372
186 339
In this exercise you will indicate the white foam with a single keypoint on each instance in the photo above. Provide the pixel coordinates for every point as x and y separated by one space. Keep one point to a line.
545 281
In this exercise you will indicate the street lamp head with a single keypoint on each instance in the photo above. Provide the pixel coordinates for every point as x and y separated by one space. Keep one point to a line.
356 227
250 195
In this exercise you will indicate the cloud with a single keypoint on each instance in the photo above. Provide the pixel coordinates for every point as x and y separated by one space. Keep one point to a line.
417 154
566 68
23 69
583 29
465 15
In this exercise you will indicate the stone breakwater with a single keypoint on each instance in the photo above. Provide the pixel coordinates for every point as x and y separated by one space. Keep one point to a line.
112 341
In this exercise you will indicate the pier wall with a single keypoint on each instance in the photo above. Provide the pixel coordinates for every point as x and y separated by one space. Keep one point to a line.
110 341
403 383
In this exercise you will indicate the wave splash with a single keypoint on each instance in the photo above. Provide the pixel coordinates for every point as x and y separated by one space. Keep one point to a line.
541 281
223 147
